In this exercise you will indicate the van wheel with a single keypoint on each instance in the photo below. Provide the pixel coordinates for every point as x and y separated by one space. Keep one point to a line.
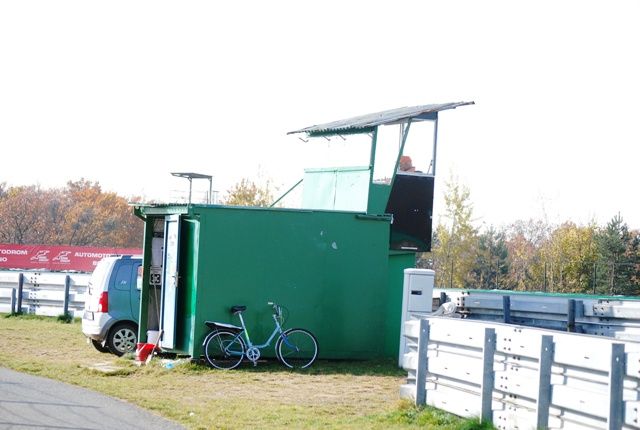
99 346
122 338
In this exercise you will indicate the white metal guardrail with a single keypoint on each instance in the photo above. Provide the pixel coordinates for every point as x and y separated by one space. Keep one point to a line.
43 293
616 317
523 378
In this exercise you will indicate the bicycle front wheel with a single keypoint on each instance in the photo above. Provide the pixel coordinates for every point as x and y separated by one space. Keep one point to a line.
224 350
297 348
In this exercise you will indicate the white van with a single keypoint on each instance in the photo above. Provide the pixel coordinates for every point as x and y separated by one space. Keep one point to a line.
112 305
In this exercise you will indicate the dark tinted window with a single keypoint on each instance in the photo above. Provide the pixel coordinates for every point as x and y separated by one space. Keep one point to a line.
411 203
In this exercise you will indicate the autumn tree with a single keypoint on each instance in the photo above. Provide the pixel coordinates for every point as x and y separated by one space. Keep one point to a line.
79 214
99 218
492 265
569 255
22 211
457 239
618 259
248 193
524 243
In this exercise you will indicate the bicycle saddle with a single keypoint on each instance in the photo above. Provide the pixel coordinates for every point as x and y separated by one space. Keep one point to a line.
237 308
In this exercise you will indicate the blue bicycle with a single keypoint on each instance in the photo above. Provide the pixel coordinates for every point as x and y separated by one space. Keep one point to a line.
225 348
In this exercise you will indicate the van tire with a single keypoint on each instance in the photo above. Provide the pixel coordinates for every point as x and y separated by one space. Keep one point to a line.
122 338
99 346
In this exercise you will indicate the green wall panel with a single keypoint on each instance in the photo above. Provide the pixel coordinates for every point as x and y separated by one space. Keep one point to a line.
330 270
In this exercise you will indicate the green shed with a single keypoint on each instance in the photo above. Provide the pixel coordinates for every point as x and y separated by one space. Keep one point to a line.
335 263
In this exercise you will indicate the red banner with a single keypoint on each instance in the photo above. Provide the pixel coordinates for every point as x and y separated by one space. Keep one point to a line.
56 258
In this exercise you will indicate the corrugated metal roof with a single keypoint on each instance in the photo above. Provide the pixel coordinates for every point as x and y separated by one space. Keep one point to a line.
378 118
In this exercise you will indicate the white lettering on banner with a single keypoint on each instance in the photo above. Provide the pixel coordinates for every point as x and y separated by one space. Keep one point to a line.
91 254
4 259
14 252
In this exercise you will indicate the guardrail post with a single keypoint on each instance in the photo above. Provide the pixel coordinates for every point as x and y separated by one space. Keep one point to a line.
506 307
571 315
67 285
615 418
423 361
13 300
486 390
20 287
443 298
544 382
579 316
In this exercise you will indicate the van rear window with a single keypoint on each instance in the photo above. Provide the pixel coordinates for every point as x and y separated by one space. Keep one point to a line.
123 277
99 275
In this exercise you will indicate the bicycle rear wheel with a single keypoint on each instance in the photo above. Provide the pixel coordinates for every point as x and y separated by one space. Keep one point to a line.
224 350
297 348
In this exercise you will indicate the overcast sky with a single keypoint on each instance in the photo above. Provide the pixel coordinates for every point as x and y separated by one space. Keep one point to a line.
125 92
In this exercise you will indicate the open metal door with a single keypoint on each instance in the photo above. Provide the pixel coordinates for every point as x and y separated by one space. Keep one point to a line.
170 281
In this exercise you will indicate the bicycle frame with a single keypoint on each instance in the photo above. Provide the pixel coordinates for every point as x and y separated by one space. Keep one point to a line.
229 343
276 331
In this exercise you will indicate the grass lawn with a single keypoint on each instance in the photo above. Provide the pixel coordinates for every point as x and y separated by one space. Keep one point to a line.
328 395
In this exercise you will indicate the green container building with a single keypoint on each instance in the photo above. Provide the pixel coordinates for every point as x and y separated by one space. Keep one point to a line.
336 263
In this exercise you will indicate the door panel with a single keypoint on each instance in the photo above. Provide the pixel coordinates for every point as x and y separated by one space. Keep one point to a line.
170 281
120 291
136 286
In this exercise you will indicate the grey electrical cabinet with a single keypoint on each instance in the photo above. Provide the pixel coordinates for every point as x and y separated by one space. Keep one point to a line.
417 300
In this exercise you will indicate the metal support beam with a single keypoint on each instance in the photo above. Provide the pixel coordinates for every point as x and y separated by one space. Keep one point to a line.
285 194
13 300
616 382
423 363
443 298
435 146
67 285
488 377
571 315
506 308
20 288
372 156
544 382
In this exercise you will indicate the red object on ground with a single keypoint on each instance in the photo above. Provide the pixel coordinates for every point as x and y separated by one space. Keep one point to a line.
57 258
143 350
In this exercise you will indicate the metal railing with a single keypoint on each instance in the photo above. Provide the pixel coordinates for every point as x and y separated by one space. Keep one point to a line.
615 317
43 293
522 377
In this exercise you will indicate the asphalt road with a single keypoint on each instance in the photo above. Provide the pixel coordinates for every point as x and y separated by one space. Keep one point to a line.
31 402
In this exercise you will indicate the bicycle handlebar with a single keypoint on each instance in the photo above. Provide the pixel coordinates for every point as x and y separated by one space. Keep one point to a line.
276 308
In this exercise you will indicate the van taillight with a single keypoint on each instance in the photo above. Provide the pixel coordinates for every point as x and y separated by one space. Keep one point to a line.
103 302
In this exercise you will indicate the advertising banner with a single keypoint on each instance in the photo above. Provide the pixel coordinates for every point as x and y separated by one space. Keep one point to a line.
56 258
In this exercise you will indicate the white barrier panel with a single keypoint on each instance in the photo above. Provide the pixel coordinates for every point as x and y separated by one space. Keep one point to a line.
43 293
616 317
523 378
